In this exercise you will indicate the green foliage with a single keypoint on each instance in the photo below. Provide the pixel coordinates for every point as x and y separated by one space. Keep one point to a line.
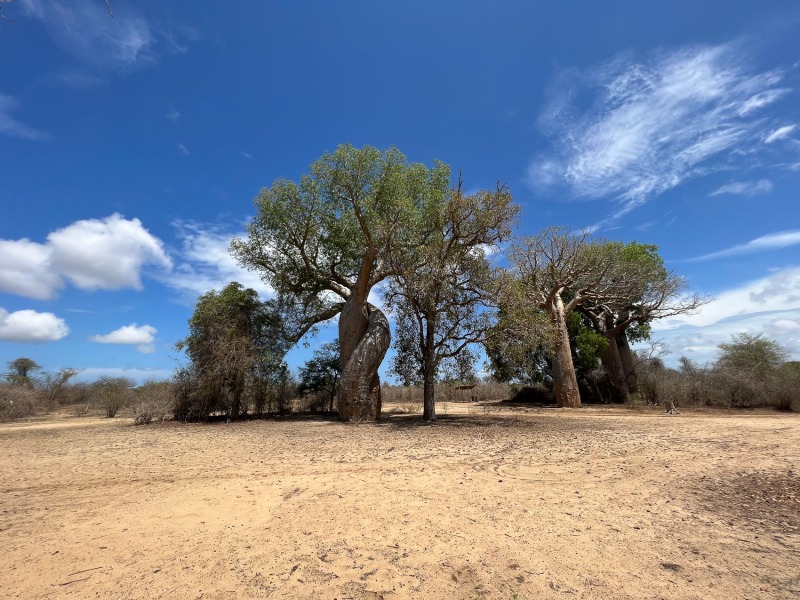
310 240
234 340
753 354
20 371
320 375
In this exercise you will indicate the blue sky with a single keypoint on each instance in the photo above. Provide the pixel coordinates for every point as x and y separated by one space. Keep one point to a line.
131 146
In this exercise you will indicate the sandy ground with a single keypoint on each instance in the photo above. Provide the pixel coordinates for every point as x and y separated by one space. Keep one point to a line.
488 503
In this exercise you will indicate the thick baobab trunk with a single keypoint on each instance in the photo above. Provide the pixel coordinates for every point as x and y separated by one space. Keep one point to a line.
628 363
565 383
615 371
364 338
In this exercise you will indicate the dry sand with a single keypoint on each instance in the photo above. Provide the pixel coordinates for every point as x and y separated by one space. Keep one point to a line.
487 503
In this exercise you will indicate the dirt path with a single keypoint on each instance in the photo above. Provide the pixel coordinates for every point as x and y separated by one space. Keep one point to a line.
492 504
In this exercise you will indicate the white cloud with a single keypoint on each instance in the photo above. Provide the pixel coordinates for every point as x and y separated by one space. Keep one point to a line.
184 150
173 115
246 154
141 336
780 133
26 269
139 376
631 130
86 30
106 254
31 326
10 126
772 241
744 188
770 305
206 264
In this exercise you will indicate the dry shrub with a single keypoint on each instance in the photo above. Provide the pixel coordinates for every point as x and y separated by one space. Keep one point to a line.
153 402
17 401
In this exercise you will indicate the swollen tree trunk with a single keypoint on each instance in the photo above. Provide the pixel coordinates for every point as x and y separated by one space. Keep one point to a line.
628 363
615 371
364 338
429 377
565 383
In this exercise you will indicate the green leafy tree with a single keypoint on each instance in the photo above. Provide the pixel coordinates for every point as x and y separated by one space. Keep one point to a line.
320 375
233 339
558 271
443 285
323 244
644 291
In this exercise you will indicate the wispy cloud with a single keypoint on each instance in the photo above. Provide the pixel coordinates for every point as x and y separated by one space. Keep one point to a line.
205 262
629 130
173 115
10 126
772 241
85 30
246 154
770 305
744 188
184 150
139 376
780 133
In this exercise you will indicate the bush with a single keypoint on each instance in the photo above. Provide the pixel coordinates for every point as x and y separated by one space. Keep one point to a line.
17 401
114 393
153 401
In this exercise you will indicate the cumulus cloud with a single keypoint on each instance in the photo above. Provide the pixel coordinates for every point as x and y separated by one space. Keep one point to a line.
744 188
780 133
770 306
205 262
31 326
772 241
629 130
141 336
26 269
10 126
107 254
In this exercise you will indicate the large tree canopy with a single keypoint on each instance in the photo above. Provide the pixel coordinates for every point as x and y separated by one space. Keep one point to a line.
323 243
443 284
650 292
234 338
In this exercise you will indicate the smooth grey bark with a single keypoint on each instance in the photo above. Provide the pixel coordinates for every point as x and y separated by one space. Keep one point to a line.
565 382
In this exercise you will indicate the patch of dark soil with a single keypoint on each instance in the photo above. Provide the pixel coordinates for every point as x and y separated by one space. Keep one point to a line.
764 500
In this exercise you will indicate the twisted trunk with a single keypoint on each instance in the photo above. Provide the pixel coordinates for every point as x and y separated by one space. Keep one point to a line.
364 338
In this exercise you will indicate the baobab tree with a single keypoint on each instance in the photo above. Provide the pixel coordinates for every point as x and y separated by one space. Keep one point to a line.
323 244
556 272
